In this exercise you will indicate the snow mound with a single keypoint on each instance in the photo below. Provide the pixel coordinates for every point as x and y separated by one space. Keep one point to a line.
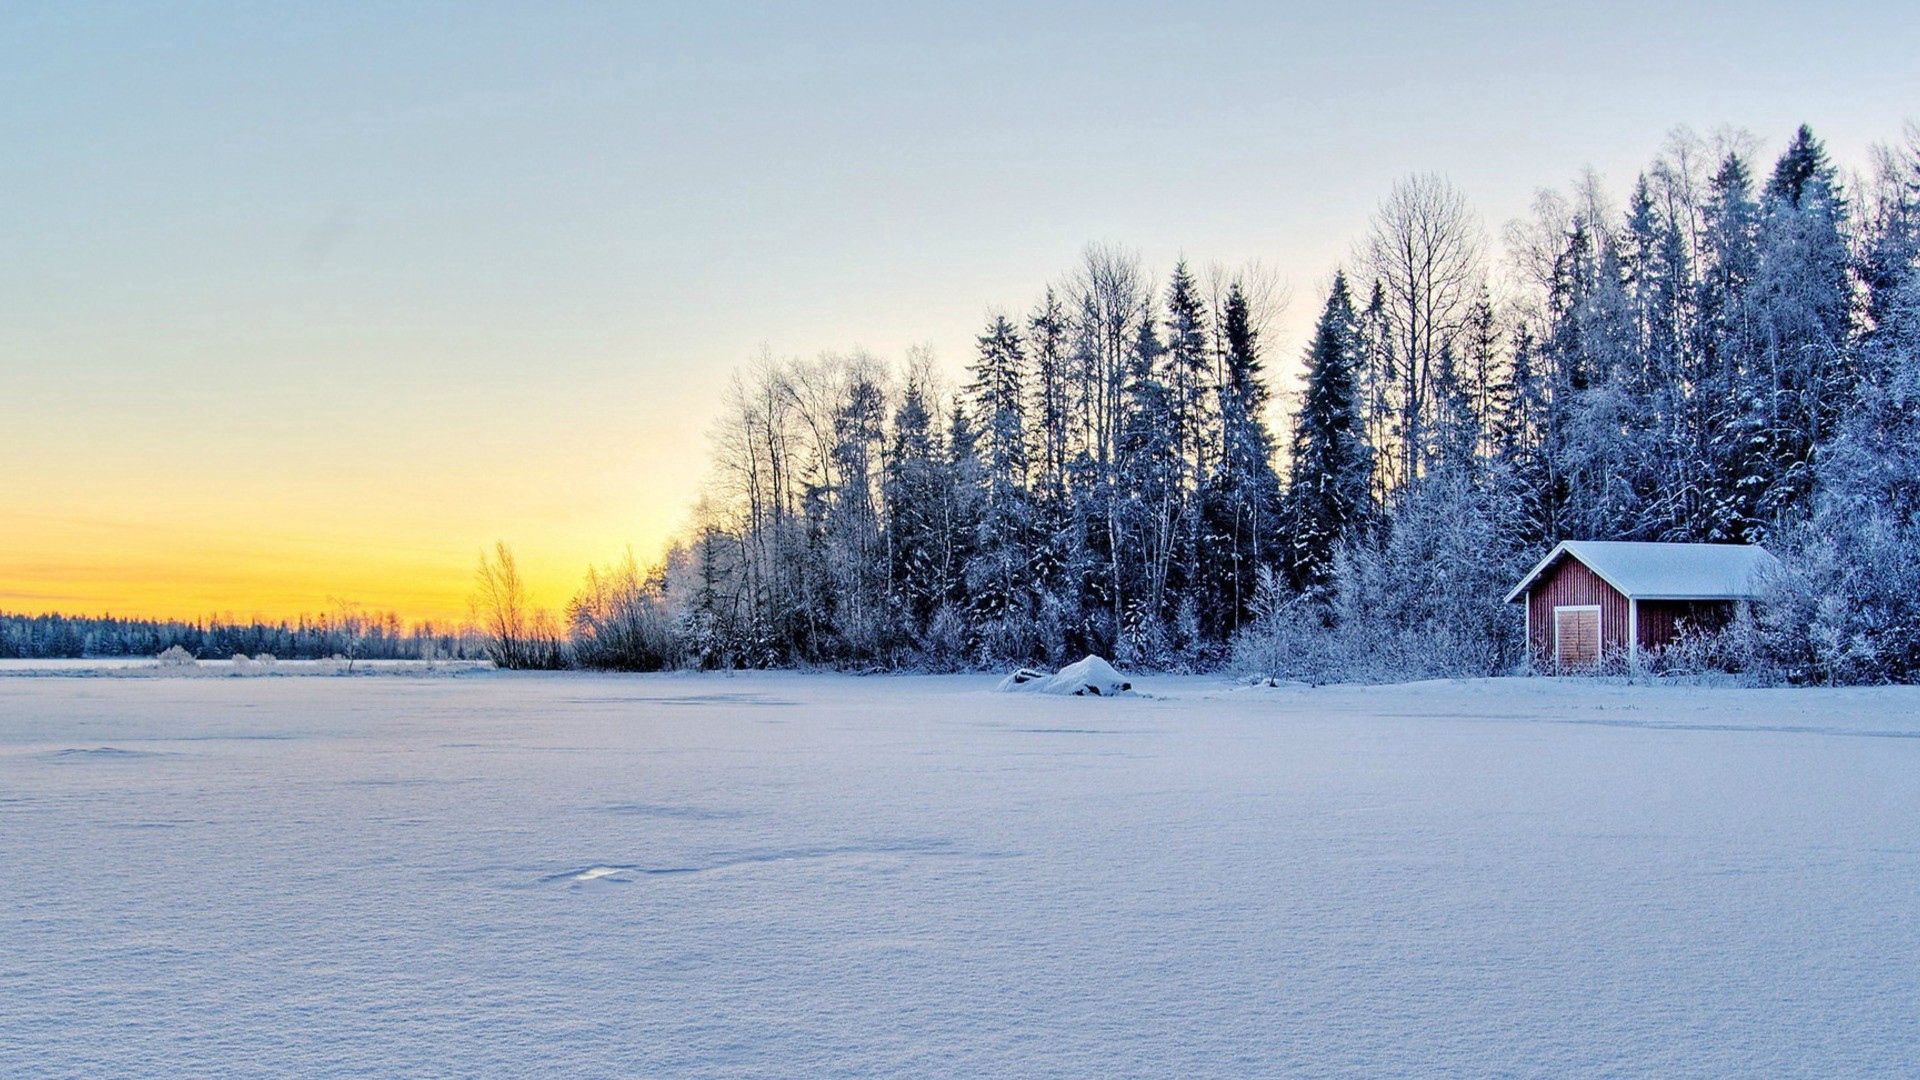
176 657
254 665
1089 677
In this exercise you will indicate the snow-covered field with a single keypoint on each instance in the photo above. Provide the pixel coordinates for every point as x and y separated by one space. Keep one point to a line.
794 875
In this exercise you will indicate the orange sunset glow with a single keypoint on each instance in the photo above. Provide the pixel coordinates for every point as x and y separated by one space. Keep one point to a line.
275 520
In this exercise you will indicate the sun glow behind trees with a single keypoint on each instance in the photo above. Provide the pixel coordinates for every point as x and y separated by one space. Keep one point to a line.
1681 369
191 520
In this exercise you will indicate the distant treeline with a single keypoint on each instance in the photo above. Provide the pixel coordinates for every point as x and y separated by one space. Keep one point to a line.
371 637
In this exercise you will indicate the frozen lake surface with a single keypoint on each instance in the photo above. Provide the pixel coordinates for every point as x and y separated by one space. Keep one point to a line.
796 875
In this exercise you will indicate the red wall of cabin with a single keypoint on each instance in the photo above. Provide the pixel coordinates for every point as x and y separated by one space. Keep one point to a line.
1663 621
1568 582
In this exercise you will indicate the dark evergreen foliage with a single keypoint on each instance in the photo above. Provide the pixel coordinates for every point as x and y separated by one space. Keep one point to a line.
57 636
1328 495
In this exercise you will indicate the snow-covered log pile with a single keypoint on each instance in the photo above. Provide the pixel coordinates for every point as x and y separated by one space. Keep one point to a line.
1089 677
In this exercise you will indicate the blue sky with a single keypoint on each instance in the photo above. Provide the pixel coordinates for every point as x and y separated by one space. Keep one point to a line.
401 278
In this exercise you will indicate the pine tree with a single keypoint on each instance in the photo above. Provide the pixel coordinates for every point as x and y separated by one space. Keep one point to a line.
1057 544
1243 498
999 585
1047 337
1328 497
918 496
1731 480
1801 303
1186 369
1144 512
855 564
1187 373
1802 170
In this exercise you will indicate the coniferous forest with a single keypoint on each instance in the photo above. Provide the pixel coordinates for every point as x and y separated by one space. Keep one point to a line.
1726 351
347 632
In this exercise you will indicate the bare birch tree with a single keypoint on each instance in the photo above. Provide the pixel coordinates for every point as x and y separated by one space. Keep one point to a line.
1424 249
501 608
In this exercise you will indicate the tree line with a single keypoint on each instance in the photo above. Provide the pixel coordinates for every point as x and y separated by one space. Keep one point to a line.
347 632
1730 353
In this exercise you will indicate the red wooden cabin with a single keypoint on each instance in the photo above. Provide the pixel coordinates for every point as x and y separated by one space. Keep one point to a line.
1591 600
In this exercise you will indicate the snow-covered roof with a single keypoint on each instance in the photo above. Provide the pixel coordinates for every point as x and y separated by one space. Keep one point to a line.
1643 571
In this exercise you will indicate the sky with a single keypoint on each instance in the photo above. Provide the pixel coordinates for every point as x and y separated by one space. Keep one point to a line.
298 306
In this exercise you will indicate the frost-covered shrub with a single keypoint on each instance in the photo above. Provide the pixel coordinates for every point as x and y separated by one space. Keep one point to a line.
703 645
176 657
1846 606
1289 638
1052 630
242 663
944 645
1013 636
1731 651
620 621
1422 601
1146 640
1428 600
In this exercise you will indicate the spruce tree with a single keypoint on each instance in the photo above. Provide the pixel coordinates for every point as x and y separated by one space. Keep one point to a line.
998 394
999 587
1186 365
1145 503
1057 545
1802 166
1328 495
918 478
1187 373
1243 499
965 495
1731 479
1801 303
1048 342
856 566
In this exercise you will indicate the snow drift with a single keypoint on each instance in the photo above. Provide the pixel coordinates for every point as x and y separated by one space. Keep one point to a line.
1091 676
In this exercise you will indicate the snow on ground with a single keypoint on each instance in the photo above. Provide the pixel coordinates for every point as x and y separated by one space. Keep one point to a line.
792 875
